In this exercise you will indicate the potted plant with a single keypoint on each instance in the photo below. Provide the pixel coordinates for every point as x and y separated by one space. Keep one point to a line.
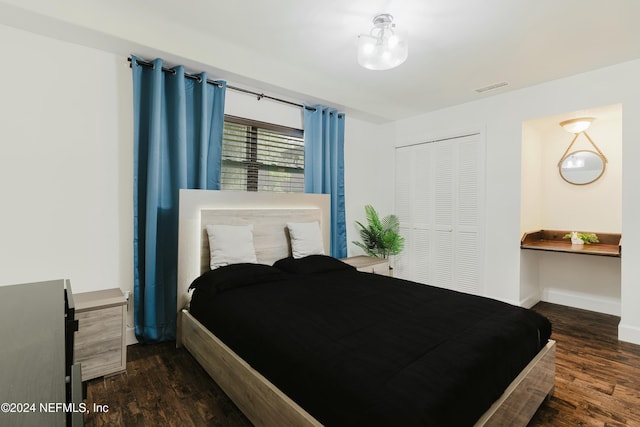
381 237
581 238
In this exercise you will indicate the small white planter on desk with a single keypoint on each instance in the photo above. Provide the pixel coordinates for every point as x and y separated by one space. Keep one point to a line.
369 264
100 344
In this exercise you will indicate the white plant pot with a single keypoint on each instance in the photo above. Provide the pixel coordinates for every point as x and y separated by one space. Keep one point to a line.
575 240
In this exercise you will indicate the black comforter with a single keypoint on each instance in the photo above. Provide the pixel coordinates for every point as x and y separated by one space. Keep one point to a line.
358 349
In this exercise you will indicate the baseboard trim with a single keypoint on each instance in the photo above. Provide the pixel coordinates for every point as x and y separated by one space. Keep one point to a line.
131 336
530 301
629 333
606 305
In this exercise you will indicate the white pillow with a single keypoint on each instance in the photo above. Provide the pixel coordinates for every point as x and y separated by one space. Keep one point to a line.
230 244
306 239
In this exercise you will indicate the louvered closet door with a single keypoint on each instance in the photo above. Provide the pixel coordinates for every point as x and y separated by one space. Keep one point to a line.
469 189
439 190
414 209
444 206
403 188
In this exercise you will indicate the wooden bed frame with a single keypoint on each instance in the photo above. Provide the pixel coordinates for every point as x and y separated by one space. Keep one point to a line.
262 402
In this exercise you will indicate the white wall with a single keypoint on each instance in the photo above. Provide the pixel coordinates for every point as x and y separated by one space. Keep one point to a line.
502 117
582 281
596 207
531 203
265 110
369 156
65 164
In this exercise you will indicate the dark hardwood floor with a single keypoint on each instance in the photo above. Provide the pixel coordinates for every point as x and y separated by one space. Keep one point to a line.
597 376
597 382
163 386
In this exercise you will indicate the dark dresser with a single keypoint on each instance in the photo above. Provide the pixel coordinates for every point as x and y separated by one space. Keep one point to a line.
39 384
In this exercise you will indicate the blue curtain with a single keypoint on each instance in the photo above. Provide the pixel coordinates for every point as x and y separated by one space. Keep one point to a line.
324 167
178 143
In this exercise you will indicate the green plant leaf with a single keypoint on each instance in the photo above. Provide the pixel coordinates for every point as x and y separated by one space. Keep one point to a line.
373 219
380 238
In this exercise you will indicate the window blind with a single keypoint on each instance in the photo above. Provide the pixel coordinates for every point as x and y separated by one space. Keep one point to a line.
258 156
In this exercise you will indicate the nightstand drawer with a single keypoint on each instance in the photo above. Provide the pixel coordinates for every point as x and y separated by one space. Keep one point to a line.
98 331
100 341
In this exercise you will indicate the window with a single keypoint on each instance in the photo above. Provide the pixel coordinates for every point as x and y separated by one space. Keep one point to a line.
259 156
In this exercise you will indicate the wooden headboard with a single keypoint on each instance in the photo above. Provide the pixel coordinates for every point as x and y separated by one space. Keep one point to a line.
268 212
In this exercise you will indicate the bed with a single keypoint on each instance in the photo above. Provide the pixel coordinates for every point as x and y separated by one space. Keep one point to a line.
311 396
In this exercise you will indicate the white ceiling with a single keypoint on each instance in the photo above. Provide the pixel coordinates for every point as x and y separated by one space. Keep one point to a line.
306 51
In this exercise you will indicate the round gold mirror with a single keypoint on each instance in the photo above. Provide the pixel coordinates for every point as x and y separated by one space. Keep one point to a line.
582 167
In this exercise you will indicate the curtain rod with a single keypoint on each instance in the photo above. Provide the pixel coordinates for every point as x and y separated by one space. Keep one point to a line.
217 83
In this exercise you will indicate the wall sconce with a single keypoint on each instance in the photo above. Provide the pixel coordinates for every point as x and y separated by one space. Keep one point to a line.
583 166
384 47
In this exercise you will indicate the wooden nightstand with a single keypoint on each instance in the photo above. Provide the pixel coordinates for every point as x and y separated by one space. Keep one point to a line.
100 341
369 264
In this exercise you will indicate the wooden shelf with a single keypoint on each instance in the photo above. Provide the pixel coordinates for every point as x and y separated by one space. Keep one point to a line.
552 240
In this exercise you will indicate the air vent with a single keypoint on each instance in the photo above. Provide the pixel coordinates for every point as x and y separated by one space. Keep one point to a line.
491 87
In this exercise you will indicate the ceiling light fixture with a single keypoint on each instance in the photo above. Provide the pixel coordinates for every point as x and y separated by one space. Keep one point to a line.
577 125
384 47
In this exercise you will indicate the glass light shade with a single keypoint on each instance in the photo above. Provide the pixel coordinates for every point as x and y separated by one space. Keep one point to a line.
577 125
384 47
